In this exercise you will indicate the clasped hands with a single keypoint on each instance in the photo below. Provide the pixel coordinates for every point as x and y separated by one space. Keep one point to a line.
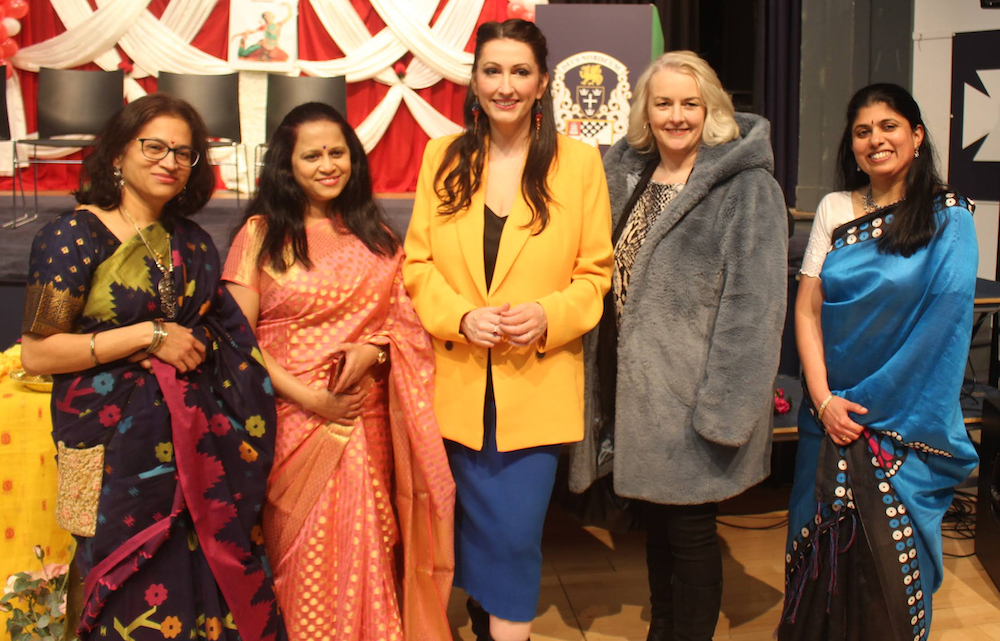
343 403
181 348
520 326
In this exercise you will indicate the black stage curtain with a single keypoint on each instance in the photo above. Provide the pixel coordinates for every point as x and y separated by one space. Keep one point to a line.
779 75
774 49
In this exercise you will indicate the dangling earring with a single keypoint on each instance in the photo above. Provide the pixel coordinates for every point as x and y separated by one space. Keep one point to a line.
916 152
857 168
476 110
119 178
538 118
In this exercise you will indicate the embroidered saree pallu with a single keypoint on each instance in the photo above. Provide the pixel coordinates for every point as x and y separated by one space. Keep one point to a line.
165 473
864 551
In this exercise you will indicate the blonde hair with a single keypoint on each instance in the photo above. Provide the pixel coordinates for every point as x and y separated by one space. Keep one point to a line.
720 126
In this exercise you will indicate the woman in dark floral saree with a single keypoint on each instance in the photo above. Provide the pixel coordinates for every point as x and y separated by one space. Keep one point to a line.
883 325
162 410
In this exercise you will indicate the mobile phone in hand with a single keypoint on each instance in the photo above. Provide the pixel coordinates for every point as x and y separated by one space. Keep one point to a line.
336 370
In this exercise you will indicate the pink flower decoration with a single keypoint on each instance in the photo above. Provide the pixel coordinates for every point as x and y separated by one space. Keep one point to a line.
781 404
156 594
110 415
219 424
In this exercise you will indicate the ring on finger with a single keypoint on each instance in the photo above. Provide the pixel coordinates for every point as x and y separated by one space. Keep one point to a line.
845 439
496 330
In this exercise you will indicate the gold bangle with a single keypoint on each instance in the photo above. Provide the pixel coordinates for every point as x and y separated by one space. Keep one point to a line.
822 408
93 349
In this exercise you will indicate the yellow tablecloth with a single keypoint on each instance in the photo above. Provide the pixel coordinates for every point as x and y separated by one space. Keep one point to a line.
27 484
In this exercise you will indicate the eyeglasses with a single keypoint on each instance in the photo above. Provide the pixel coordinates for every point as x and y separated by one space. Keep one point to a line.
155 149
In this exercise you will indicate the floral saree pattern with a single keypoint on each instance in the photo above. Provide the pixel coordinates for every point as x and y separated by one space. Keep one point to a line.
864 547
177 550
348 505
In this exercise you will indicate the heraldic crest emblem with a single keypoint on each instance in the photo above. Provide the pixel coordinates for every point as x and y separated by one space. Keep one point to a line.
591 94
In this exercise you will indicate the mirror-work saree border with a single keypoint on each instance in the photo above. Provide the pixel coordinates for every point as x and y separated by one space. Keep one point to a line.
177 551
864 547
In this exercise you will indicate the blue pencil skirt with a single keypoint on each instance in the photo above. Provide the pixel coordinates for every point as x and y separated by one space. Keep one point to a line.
502 500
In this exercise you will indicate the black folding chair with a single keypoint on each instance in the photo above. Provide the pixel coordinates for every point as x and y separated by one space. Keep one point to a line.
217 99
70 103
15 220
285 93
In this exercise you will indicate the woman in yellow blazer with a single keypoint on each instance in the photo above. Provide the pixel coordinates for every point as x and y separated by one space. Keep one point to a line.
508 259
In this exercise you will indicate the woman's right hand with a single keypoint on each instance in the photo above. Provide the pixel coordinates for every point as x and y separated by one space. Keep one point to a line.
340 408
839 426
180 348
481 326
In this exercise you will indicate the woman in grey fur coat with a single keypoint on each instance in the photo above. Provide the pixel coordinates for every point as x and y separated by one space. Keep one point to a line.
680 373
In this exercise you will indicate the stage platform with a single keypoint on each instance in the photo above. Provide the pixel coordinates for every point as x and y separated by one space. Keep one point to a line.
219 218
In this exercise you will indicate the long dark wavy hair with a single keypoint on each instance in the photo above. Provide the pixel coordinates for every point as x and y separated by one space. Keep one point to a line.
282 203
914 223
98 185
461 172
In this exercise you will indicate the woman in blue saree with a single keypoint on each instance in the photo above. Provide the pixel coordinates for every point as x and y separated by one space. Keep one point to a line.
162 410
883 324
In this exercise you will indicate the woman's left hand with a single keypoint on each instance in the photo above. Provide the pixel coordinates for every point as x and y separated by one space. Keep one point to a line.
358 359
524 324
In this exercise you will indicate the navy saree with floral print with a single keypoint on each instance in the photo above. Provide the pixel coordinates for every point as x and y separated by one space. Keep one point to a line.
162 474
864 546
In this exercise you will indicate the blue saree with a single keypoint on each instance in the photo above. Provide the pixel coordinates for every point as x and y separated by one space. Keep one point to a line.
165 472
864 544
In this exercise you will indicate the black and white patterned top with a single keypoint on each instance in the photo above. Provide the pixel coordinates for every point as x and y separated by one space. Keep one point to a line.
654 199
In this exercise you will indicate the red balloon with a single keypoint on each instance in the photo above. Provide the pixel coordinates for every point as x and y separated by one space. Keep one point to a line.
3 33
528 15
514 9
10 67
17 8
8 48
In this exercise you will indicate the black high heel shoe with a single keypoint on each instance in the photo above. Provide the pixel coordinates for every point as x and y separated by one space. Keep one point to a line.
480 619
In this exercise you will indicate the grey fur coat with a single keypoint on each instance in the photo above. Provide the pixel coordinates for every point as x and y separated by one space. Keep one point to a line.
701 330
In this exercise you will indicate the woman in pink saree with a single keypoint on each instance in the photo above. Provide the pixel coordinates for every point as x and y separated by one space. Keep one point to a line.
358 519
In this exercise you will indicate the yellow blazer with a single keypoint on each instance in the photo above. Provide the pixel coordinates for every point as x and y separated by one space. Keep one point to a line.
566 268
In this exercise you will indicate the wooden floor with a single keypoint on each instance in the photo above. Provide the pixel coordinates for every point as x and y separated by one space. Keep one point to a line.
594 587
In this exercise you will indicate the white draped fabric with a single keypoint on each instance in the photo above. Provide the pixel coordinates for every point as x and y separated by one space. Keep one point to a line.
163 44
186 17
90 35
441 55
155 47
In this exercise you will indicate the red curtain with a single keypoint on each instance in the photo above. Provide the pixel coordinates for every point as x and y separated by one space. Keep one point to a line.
395 161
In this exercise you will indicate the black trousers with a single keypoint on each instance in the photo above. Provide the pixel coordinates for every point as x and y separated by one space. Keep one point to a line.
684 562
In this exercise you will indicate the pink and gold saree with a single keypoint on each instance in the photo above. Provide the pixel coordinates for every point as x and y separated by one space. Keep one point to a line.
349 508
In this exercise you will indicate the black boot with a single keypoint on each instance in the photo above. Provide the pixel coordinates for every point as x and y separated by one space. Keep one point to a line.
696 611
480 619
661 629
